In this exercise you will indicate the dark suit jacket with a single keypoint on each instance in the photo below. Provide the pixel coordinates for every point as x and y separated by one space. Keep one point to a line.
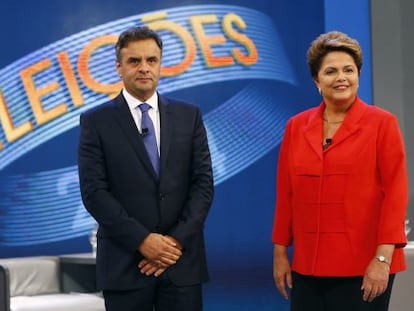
120 190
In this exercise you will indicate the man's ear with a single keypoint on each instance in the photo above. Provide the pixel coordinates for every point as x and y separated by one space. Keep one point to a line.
118 67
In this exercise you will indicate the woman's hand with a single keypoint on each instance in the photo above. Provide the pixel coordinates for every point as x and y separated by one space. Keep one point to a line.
282 273
376 276
375 280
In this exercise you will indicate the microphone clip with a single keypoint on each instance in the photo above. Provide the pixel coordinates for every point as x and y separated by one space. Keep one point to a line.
144 132
328 142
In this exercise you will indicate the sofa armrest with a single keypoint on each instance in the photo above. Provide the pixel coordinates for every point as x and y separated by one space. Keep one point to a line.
30 276
4 289
32 283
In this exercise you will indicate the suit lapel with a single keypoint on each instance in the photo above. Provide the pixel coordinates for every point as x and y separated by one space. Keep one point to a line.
166 130
127 124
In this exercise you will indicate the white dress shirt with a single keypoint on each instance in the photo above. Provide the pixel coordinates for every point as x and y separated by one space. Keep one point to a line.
153 112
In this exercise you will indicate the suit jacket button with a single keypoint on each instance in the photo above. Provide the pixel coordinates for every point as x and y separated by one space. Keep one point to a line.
162 197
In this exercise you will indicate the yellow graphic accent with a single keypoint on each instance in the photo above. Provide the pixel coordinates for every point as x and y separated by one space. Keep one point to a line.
83 66
182 33
70 78
11 132
34 94
252 55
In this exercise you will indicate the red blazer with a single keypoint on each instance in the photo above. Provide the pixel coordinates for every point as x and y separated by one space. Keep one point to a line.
337 205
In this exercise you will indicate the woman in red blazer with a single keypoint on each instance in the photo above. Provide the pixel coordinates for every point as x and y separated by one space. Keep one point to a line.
342 192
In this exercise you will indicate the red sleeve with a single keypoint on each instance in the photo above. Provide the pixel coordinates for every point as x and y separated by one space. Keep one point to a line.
394 180
282 226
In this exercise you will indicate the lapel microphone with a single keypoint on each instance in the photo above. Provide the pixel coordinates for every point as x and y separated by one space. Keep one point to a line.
327 143
144 132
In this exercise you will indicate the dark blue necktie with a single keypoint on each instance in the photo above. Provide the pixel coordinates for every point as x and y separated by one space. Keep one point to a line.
148 136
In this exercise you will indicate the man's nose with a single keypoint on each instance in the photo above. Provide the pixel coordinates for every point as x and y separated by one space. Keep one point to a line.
144 67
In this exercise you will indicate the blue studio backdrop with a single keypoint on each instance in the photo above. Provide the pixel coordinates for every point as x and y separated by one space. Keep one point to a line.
243 62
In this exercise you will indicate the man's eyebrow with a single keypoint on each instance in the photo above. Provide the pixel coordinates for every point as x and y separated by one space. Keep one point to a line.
133 58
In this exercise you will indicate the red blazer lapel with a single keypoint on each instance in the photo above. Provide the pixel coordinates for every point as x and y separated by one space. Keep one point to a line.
313 130
351 123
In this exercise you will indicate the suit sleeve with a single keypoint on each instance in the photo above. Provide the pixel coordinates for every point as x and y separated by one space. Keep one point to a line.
394 181
201 191
282 226
95 190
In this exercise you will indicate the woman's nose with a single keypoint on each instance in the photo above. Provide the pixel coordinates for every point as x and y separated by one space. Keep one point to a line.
341 77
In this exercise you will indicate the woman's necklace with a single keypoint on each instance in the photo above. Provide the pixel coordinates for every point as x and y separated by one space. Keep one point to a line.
330 128
332 122
326 119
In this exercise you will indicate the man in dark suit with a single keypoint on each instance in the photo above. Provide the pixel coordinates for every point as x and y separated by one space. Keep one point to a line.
146 177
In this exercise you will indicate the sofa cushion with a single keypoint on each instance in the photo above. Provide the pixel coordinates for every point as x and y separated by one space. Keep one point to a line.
58 302
32 275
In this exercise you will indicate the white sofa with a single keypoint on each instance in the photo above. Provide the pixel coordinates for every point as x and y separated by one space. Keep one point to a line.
34 284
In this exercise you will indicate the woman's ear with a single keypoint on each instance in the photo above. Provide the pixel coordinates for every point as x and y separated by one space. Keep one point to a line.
317 85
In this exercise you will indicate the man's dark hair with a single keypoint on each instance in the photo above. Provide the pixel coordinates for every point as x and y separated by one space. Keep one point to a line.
135 34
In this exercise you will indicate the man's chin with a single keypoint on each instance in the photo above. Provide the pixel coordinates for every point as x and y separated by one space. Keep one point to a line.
144 92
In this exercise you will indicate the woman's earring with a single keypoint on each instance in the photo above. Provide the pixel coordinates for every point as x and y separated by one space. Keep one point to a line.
320 91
